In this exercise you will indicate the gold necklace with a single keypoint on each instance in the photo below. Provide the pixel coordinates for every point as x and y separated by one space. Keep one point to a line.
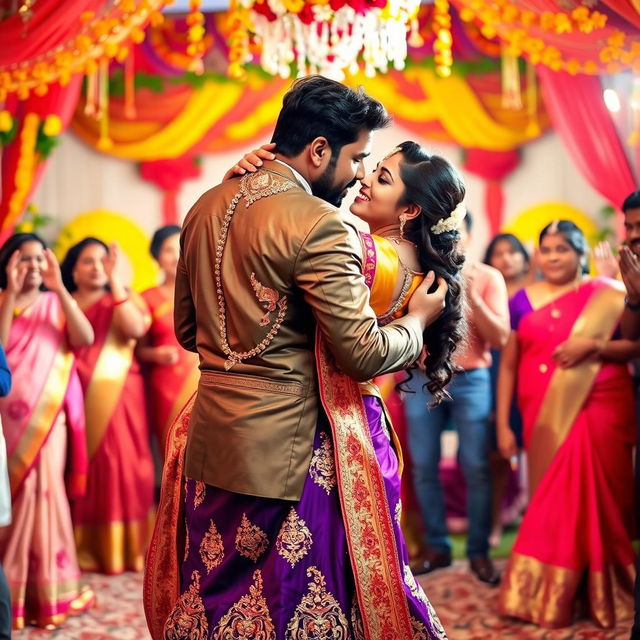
399 240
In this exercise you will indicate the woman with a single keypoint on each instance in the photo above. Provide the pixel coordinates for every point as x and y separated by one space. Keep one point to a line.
112 521
508 255
576 399
413 203
172 371
43 423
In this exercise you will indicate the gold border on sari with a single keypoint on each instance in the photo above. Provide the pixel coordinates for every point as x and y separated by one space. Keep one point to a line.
161 588
188 388
569 388
546 594
42 418
105 388
366 514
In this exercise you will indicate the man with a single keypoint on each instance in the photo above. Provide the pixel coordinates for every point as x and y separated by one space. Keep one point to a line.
263 264
469 409
630 326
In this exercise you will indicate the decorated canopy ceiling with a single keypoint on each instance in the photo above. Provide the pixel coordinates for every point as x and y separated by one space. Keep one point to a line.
484 74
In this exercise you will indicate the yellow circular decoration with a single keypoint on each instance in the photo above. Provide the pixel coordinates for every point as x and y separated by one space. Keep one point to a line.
141 271
530 222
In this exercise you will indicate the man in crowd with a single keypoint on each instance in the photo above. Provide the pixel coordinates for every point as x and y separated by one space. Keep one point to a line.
469 409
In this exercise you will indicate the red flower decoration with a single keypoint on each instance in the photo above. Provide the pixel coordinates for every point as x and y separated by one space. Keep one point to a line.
337 4
264 9
306 15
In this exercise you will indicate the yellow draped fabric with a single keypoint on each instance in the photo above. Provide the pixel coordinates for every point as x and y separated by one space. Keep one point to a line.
386 278
205 107
226 115
453 103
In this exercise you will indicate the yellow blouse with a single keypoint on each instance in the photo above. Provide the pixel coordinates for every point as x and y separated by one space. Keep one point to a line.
382 266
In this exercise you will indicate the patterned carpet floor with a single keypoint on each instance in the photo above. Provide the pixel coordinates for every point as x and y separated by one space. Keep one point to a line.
466 608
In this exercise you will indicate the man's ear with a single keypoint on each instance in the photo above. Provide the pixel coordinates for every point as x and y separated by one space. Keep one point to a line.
319 152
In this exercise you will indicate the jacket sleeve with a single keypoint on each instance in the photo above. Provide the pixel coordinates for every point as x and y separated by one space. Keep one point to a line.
184 311
328 270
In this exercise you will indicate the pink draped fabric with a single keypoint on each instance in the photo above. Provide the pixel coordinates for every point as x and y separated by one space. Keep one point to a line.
586 128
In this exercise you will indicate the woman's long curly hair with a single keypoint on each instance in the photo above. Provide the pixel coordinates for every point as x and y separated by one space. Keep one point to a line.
437 188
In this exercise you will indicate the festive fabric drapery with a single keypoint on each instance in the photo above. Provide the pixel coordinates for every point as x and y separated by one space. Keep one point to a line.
576 40
168 175
584 125
44 50
53 40
493 167
37 120
466 111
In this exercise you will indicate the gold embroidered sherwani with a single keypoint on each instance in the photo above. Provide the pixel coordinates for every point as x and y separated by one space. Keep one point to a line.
267 263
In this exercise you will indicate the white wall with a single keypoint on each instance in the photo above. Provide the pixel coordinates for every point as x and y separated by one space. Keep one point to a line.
79 179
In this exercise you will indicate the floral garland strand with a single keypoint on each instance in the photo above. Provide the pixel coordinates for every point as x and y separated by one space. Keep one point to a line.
104 36
513 25
321 36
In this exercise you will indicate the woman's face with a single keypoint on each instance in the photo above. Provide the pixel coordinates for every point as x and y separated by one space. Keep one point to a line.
32 259
89 273
380 193
558 260
169 254
508 260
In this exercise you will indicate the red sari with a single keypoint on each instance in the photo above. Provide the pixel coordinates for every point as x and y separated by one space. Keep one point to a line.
169 386
574 544
112 521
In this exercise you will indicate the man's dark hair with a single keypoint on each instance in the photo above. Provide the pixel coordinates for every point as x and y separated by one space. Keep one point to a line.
632 202
316 106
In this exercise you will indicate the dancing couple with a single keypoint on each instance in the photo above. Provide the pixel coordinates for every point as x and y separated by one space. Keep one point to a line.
280 507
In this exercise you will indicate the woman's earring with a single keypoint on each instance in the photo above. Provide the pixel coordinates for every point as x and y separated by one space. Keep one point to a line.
403 221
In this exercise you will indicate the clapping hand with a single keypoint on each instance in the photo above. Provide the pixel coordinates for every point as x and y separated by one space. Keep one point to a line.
112 261
51 276
16 273
630 271
251 161
605 262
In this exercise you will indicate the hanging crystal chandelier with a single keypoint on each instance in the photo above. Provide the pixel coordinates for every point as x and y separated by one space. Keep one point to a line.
322 36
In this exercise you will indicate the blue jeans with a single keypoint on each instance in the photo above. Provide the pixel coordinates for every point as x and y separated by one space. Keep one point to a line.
469 410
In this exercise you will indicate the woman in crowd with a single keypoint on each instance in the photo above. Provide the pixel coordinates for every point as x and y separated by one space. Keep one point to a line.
508 255
112 521
413 204
575 395
172 371
43 423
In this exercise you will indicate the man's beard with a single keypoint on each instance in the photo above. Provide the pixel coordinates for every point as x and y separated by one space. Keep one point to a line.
325 188
635 247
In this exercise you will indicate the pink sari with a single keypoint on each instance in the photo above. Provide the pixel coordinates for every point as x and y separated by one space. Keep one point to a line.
574 544
43 422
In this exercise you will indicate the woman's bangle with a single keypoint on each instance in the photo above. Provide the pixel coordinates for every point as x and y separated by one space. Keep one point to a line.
117 303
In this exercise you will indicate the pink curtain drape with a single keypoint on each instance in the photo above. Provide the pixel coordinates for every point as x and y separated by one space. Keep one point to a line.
582 121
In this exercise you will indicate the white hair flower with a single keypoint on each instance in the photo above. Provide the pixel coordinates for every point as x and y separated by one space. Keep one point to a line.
451 223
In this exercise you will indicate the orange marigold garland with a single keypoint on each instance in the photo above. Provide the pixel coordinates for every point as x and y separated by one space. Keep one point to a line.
444 40
104 36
